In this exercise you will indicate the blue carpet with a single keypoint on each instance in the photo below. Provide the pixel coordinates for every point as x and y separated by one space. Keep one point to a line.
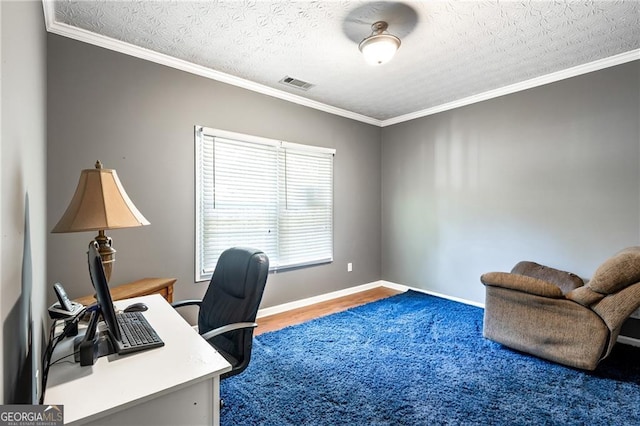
415 359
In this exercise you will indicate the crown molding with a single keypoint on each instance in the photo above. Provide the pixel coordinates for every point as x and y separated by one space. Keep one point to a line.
160 58
632 55
142 53
49 13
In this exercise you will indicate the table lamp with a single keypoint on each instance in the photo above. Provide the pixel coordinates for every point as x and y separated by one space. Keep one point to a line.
99 203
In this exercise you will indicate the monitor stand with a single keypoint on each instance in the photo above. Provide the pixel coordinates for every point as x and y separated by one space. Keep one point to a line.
93 344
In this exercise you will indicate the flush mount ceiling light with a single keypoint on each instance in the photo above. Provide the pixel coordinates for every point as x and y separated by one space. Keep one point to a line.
379 47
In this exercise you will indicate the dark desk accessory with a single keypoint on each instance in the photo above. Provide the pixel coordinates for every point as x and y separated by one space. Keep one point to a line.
136 307
85 348
65 308
61 294
94 344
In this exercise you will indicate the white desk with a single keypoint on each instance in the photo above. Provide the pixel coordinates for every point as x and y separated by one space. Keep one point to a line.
177 384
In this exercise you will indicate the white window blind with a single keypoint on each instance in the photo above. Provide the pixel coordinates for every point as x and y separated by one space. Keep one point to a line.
271 195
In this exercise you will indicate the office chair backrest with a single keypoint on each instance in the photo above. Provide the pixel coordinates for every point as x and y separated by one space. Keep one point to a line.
233 296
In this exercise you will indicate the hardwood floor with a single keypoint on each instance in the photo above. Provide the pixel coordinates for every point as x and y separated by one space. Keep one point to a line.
300 315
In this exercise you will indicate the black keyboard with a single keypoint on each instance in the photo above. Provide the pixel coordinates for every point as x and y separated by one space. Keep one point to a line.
136 334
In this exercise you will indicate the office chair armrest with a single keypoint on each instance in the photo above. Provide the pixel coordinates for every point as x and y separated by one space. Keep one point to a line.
226 328
181 303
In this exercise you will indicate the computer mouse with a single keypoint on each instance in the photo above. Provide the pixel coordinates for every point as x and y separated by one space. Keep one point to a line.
136 307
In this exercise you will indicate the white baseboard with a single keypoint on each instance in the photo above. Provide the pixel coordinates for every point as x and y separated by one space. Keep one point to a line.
278 309
399 287
285 307
432 293
629 341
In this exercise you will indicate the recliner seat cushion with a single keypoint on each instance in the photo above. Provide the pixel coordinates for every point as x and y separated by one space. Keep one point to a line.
617 272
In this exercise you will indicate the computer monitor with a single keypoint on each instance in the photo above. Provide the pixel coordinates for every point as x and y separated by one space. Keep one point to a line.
99 281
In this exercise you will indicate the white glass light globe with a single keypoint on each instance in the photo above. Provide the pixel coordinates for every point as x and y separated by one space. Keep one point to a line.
379 49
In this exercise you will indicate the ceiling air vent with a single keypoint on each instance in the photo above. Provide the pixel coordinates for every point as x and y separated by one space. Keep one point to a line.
294 82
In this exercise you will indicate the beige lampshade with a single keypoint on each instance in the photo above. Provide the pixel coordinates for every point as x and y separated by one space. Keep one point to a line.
100 202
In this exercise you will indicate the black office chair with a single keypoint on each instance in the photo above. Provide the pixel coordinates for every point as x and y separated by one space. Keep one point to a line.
228 310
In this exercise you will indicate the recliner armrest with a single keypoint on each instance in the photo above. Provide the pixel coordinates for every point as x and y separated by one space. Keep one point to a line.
615 308
181 303
522 283
227 328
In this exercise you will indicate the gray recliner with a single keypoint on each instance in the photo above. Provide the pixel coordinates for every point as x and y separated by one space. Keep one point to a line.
555 315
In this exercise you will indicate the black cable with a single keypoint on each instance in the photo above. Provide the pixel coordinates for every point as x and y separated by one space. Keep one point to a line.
51 346
53 342
45 356
61 358
52 329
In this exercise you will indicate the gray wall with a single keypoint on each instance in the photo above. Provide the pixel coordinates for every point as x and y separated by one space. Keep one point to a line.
551 174
22 194
137 117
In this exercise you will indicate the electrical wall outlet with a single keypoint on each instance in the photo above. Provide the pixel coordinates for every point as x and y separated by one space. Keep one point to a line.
349 267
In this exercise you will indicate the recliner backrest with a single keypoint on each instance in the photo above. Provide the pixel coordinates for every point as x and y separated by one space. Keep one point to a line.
617 272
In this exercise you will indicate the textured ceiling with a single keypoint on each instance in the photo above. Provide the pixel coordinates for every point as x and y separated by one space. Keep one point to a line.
450 50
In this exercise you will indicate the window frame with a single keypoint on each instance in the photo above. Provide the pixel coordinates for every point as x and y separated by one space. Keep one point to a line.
199 132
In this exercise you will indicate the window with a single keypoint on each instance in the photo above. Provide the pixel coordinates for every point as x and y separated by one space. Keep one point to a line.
272 195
